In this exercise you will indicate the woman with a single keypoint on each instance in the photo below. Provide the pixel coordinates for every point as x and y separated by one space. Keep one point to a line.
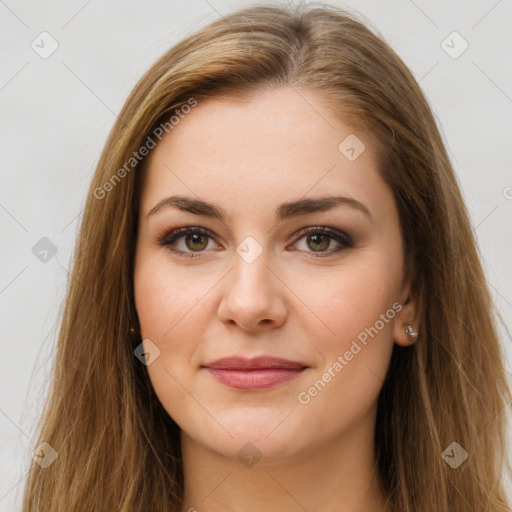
277 302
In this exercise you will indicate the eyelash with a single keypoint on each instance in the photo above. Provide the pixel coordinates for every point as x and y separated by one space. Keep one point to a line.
174 235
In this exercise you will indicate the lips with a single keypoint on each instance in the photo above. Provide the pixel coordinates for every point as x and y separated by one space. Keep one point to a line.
254 374
262 362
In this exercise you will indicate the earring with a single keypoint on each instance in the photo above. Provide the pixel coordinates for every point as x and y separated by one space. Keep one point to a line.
411 332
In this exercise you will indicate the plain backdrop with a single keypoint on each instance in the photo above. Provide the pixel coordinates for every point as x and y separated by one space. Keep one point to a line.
56 112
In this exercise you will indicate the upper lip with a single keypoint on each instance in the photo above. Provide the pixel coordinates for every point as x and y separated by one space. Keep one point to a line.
261 362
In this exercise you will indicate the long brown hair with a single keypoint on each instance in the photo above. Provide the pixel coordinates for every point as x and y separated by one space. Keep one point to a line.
118 449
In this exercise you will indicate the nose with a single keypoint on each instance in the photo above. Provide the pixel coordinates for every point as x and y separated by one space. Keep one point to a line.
253 296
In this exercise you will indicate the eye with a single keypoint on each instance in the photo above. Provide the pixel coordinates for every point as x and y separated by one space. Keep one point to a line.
320 238
195 240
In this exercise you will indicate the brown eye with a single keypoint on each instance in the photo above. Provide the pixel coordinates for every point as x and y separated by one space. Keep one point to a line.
196 242
189 242
318 242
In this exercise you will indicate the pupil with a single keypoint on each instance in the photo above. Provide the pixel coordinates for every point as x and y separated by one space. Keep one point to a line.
318 238
195 241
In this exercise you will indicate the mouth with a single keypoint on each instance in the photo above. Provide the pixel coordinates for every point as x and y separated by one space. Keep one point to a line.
254 374
252 380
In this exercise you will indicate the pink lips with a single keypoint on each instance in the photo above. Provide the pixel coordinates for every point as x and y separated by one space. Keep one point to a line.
254 374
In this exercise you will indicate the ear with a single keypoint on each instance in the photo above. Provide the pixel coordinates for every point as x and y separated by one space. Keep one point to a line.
408 315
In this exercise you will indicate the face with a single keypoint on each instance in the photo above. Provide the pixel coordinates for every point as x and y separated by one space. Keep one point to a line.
316 283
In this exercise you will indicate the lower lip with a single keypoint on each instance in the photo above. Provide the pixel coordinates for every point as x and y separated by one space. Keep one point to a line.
254 379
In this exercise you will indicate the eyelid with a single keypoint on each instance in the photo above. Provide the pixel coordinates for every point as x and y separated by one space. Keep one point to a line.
326 230
170 236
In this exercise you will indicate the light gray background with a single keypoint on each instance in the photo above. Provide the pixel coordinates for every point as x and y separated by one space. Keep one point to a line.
56 114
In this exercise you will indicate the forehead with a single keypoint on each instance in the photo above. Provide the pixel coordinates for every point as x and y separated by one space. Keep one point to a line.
279 145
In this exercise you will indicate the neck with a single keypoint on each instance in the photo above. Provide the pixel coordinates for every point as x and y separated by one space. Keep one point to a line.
339 476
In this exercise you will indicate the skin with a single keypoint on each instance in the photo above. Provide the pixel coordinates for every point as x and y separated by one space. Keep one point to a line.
248 158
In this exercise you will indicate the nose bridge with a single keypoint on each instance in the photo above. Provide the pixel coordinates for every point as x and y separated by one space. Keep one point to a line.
251 276
251 293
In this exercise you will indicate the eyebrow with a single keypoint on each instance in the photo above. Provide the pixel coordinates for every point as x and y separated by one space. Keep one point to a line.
284 211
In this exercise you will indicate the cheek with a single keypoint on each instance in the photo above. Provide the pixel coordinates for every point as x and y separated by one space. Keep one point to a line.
355 306
163 297
165 308
173 310
151 297
351 298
